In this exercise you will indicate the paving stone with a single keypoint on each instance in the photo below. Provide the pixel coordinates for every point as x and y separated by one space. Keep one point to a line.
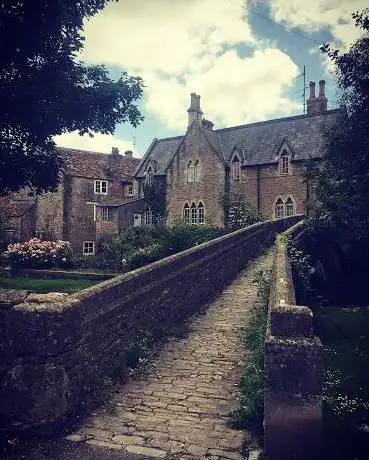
179 406
149 451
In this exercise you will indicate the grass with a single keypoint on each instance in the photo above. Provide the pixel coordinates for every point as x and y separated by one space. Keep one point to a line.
251 412
44 285
345 336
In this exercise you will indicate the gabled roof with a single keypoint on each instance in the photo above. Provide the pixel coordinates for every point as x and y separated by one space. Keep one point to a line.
259 142
95 165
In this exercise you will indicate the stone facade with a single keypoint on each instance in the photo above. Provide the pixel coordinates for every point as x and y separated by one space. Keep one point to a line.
263 164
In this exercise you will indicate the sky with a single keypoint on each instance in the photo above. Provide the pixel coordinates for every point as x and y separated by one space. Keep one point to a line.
243 57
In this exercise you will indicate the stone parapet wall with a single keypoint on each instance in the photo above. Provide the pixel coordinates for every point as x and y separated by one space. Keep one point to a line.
292 391
56 349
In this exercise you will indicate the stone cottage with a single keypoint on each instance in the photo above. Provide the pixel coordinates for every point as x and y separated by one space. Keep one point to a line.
78 210
264 163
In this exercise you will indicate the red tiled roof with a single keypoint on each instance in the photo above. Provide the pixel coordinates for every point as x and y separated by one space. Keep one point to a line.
97 165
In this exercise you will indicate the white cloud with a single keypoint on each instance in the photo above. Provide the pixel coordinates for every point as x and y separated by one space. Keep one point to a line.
334 14
99 143
190 45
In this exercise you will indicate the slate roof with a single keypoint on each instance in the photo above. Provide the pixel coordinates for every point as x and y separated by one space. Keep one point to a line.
260 141
95 165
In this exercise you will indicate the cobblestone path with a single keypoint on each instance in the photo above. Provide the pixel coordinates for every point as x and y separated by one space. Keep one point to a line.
179 408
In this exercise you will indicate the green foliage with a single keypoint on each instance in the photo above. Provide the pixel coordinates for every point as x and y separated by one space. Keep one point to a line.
44 285
341 183
45 91
238 212
251 413
155 197
142 245
345 336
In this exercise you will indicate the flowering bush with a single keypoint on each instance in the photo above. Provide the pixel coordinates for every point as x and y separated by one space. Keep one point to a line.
39 254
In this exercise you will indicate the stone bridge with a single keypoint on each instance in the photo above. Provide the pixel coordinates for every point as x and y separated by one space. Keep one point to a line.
56 351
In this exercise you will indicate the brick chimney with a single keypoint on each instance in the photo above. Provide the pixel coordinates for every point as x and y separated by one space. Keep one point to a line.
317 104
194 111
115 151
128 153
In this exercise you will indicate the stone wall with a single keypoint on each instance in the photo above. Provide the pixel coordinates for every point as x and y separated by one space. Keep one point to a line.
57 348
292 392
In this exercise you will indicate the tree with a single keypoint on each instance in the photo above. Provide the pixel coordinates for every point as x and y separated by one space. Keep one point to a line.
239 213
46 91
341 184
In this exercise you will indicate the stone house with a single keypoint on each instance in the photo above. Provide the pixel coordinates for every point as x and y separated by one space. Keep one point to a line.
264 163
78 210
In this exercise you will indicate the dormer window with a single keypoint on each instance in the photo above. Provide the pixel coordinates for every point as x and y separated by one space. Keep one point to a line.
130 190
284 163
190 172
236 168
150 177
197 171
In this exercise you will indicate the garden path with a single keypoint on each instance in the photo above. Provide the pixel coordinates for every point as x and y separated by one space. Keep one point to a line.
179 407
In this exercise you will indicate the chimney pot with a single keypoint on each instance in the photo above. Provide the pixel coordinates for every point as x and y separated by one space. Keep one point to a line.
194 111
114 151
322 88
312 89
128 153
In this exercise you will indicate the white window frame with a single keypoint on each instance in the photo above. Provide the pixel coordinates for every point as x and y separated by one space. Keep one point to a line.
201 213
130 190
186 213
99 187
148 217
236 169
284 166
105 213
279 209
150 177
289 207
193 214
88 245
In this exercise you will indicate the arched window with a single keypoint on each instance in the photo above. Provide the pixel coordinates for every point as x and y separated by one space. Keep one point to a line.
190 172
284 165
186 213
279 208
148 217
201 213
236 169
150 177
197 171
193 214
289 208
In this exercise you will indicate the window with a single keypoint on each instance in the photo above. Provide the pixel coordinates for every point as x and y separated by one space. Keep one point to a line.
197 171
193 214
105 213
101 187
289 207
186 214
279 208
88 248
150 177
190 172
284 163
148 217
130 190
201 214
236 169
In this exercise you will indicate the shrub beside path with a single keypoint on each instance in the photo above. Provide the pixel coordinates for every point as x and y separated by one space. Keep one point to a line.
179 407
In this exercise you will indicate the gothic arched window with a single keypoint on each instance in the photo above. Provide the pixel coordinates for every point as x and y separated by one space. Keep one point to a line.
190 172
236 168
193 214
289 208
284 164
201 214
150 177
279 208
186 213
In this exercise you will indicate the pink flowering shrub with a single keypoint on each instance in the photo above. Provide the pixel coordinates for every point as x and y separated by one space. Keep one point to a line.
36 253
